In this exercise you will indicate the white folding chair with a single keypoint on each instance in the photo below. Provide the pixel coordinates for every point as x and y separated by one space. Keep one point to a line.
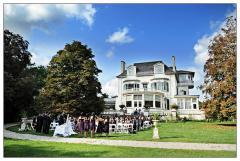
119 128
112 128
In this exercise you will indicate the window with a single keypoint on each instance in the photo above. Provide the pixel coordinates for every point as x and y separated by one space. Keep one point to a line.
149 103
129 103
167 104
131 70
148 97
135 103
148 100
180 103
137 97
194 106
129 97
194 100
165 86
187 103
131 86
158 104
145 86
158 68
140 103
184 77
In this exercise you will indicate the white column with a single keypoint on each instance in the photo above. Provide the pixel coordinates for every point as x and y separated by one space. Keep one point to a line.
197 103
154 105
143 100
162 104
184 100
191 103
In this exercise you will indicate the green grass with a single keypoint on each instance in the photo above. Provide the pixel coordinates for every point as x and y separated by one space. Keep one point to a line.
198 132
26 148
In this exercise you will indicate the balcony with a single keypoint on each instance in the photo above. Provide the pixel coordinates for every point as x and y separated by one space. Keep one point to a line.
188 83
142 90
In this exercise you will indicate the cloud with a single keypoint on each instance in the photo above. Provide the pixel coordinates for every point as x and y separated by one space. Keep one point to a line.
22 18
110 53
120 37
39 59
111 87
201 50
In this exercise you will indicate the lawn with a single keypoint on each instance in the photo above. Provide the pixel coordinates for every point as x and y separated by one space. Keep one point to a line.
26 148
199 132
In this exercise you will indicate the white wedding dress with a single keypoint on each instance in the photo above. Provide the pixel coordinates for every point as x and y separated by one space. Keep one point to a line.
64 129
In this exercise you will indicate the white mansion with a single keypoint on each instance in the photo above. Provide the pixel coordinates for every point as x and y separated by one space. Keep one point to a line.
158 86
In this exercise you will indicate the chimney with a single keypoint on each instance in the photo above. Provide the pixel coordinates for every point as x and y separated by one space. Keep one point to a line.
122 66
173 63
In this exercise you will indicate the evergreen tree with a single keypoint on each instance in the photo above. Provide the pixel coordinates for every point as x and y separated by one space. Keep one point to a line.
72 85
220 78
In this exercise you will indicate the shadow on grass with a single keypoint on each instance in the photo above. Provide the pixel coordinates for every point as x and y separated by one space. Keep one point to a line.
169 137
228 124
16 150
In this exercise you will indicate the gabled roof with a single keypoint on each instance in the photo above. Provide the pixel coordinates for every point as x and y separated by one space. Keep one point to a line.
147 68
184 72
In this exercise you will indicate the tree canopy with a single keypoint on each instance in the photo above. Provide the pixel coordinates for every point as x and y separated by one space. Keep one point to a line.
220 78
72 85
18 85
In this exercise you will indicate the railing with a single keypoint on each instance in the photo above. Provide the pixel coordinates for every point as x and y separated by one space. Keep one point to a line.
143 90
186 83
188 112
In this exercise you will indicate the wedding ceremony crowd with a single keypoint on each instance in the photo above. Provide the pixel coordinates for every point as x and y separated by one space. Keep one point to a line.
88 125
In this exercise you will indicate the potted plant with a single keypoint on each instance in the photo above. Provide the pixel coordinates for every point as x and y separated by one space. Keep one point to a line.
23 115
174 106
121 107
155 130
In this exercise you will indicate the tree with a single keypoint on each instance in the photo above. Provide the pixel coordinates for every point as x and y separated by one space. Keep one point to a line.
38 75
17 83
220 78
72 85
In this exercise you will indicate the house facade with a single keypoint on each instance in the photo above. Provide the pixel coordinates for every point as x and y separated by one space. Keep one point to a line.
157 86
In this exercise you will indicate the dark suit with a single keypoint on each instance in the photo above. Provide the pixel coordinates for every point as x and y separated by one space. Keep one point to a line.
39 123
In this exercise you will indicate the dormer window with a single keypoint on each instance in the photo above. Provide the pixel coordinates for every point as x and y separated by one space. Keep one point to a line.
131 70
158 68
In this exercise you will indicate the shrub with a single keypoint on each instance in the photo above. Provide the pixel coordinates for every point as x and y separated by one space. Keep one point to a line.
174 106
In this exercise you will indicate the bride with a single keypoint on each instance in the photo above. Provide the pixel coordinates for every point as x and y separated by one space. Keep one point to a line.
65 129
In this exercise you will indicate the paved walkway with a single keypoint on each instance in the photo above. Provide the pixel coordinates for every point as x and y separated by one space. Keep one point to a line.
146 144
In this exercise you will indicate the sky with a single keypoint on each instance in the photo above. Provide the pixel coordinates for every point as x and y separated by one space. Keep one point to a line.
115 32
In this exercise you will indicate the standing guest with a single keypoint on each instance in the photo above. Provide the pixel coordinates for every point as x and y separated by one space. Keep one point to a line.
86 126
100 126
49 120
75 124
139 123
134 125
80 126
92 126
106 126
34 122
39 123
44 125
61 119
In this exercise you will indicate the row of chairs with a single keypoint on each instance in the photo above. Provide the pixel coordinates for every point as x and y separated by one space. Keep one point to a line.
113 128
126 128
120 128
